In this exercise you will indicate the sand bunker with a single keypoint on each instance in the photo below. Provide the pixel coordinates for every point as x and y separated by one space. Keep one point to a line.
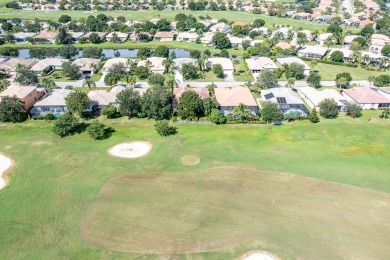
130 149
190 160
5 164
259 255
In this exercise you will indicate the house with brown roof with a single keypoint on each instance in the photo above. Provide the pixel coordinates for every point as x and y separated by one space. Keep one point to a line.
51 103
102 98
229 98
366 98
86 65
46 37
177 92
102 36
137 37
257 64
164 36
117 36
9 66
28 94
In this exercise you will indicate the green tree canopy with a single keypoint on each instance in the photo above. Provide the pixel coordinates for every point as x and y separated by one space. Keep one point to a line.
77 102
328 108
12 109
271 112
190 105
129 102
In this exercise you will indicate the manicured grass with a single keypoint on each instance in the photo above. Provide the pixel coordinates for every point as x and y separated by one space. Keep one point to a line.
170 15
53 186
245 75
96 77
329 72
210 77
59 79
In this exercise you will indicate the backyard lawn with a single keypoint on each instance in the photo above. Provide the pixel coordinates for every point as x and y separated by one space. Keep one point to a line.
241 68
302 190
329 72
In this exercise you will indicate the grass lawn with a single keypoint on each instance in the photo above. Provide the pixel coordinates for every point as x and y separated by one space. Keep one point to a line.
170 15
67 197
96 77
245 75
59 78
329 72
210 77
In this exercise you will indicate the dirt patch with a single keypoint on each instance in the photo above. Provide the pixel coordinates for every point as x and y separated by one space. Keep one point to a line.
5 164
133 149
190 160
259 255
41 143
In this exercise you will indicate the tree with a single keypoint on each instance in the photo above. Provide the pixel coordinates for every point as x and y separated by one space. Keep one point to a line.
109 111
328 108
70 70
48 83
386 50
64 18
382 80
295 70
164 129
189 71
24 76
141 71
195 54
314 79
68 51
63 37
161 51
4 83
353 110
224 53
271 112
94 38
334 28
190 105
313 117
290 82
156 79
217 117
77 102
89 84
242 112
246 44
343 79
157 103
267 79
367 31
208 105
258 23
129 101
221 41
217 69
92 52
144 53
12 109
337 56
97 130
371 79
66 125
313 64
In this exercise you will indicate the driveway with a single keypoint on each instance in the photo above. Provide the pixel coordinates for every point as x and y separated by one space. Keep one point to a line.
228 76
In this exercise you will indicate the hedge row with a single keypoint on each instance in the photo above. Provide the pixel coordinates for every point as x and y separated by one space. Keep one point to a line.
332 62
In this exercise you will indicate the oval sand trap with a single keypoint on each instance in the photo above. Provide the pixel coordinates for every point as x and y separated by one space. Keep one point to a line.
259 255
130 149
5 164
190 160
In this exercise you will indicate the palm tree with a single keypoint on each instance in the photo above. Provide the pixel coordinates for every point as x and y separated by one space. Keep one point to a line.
342 82
130 64
48 83
89 84
371 79
241 111
290 82
313 64
4 84
131 80
328 41
385 114
94 67
169 64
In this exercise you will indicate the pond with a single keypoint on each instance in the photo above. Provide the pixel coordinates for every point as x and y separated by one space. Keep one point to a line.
112 53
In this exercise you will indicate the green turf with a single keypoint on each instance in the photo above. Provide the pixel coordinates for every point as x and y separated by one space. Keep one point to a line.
329 72
52 186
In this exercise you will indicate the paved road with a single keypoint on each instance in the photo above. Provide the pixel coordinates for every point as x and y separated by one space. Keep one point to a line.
348 6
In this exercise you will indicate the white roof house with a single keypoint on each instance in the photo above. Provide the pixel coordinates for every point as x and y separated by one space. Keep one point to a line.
288 101
86 64
314 52
226 63
179 62
52 63
103 97
109 63
257 64
156 66
206 39
347 54
121 36
289 60
53 102
314 97
187 37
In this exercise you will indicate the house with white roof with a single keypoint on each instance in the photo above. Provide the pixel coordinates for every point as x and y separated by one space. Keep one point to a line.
349 39
385 91
378 41
257 64
229 98
156 64
51 103
179 62
348 55
110 62
314 97
102 98
226 63
289 60
119 35
288 101
47 65
312 52
186 37
22 37
207 38
86 65
323 37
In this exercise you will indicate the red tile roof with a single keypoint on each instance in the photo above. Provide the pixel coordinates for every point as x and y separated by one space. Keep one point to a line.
366 95
164 35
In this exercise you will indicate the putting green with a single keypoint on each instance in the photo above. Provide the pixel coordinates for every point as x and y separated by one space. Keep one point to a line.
225 207
190 160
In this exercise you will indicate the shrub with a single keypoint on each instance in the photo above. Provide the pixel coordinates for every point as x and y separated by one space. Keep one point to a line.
217 117
66 125
163 128
313 117
109 111
97 131
353 110
328 108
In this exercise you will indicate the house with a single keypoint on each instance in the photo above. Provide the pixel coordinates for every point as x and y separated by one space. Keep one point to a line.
46 37
117 35
257 64
22 37
309 35
288 60
140 36
321 39
9 66
86 65
102 36
384 92
51 103
229 98
314 97
164 36
323 19
156 64
179 62
28 94
283 45
236 41
378 41
177 92
207 38
348 55
288 101
76 36
226 63
47 65
284 31
261 30
110 62
238 24
102 98
366 98
312 52
187 37
220 27
302 16
349 39
155 20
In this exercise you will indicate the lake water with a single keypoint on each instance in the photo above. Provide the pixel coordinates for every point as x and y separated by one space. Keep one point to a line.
112 53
